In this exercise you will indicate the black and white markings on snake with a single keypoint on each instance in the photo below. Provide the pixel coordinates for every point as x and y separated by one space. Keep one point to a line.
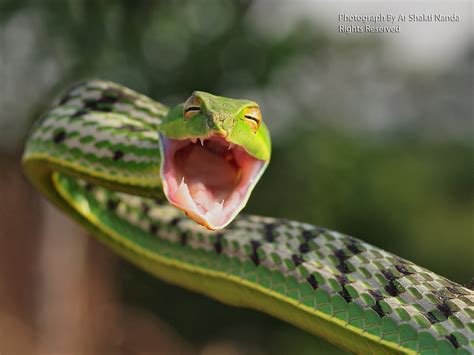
269 229
342 279
105 103
80 113
453 340
312 281
145 208
159 202
311 234
117 95
99 105
112 93
297 259
255 244
456 290
393 288
432 318
112 204
403 269
308 236
445 309
342 257
153 228
184 238
132 128
218 243
304 248
118 154
175 221
353 247
59 137
377 307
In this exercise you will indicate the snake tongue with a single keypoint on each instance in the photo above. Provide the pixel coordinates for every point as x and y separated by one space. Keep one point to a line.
209 179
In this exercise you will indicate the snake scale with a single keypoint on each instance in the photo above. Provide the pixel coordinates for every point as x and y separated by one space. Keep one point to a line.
95 154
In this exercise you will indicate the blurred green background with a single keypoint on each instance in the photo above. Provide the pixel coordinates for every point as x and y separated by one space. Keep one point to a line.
365 141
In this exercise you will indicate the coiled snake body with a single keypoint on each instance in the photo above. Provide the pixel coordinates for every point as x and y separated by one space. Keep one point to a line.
96 155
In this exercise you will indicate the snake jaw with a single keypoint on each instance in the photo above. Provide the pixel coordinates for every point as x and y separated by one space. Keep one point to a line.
209 178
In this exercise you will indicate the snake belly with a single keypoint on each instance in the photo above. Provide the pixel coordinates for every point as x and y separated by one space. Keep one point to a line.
95 155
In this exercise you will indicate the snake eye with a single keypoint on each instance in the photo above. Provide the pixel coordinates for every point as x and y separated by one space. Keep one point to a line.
192 107
253 117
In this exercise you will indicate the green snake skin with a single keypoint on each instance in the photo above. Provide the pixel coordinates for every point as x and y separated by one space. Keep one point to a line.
353 294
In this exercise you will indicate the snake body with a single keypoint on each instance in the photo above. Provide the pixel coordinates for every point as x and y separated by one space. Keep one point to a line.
95 155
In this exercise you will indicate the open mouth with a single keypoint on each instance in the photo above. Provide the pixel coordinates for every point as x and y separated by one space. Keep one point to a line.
209 178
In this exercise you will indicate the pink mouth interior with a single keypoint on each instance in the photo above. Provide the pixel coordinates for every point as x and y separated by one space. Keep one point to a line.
210 179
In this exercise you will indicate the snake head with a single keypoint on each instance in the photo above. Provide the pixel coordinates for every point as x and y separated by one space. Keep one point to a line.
214 150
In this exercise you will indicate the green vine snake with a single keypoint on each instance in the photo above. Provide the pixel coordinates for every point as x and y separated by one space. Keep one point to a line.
125 167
